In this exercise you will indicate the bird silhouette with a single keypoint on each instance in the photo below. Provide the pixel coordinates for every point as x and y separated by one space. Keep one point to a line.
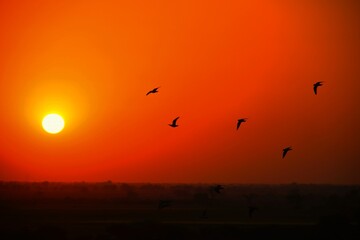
164 204
241 120
217 188
173 124
252 209
316 85
285 150
155 90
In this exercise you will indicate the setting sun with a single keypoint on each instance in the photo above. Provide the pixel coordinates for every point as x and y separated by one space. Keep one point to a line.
53 123
88 90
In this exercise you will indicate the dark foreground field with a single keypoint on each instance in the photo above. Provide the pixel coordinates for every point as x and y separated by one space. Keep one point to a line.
131 211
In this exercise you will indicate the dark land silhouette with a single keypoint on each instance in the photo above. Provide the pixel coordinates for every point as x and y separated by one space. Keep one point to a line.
110 210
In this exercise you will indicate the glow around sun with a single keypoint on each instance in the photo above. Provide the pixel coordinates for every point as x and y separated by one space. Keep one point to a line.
53 123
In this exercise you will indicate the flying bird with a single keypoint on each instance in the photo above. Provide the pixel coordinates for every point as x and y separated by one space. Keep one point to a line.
173 124
155 90
285 150
164 204
241 120
316 85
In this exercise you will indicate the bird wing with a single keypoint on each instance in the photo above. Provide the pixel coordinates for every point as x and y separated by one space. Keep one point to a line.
238 124
315 88
148 93
174 121
284 152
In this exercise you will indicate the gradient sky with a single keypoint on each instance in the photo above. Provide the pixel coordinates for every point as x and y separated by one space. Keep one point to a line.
215 62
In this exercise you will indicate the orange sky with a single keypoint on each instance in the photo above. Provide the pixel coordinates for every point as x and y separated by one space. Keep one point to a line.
215 61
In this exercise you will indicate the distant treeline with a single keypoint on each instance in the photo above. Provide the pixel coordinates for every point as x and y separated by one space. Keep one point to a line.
181 192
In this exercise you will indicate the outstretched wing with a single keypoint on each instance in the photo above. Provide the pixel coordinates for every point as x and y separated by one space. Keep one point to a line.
284 152
153 91
238 124
174 121
316 85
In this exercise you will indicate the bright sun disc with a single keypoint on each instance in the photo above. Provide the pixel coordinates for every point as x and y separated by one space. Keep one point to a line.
53 123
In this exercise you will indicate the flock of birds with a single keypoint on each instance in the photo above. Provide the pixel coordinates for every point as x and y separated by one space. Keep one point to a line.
239 121
216 189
